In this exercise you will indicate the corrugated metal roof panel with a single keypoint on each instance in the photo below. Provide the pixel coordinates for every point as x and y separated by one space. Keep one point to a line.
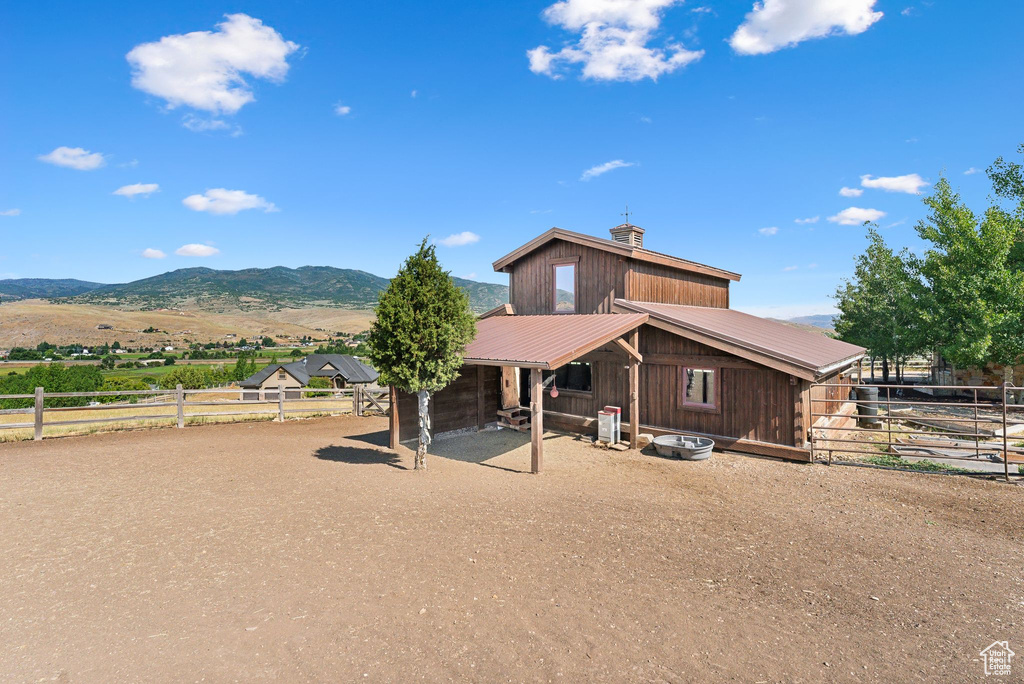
771 338
545 341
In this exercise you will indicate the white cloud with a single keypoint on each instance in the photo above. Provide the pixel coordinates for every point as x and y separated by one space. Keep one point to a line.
613 42
222 201
10 212
971 171
129 164
855 216
413 94
206 69
595 171
850 192
469 276
812 265
342 110
776 24
770 230
786 269
194 250
910 183
201 125
74 158
150 253
812 219
144 189
459 239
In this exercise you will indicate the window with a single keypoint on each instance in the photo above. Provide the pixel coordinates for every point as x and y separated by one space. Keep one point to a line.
700 390
281 375
565 288
572 377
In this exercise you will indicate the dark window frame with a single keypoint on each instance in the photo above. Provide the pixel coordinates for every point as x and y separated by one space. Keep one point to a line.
687 405
554 264
563 387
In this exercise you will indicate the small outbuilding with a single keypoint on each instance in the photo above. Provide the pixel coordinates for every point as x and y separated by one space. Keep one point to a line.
611 323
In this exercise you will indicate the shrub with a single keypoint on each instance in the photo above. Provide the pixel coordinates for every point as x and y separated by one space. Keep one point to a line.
189 377
122 384
324 383
54 377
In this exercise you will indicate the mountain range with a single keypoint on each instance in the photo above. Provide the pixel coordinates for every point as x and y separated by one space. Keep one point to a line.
277 287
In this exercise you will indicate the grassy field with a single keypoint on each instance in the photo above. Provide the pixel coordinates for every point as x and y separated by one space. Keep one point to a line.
27 323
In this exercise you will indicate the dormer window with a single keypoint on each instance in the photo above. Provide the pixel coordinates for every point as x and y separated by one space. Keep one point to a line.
564 296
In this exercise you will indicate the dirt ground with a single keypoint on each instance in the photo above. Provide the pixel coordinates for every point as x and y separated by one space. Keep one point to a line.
305 551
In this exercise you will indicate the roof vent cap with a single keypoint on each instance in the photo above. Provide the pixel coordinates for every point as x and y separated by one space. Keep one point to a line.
628 234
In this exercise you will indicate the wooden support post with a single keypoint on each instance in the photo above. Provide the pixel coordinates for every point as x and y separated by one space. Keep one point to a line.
634 392
280 403
536 420
888 415
481 415
39 413
357 400
393 418
180 399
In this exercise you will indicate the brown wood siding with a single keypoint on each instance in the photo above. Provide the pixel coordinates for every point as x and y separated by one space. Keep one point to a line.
755 403
653 283
456 406
835 396
599 277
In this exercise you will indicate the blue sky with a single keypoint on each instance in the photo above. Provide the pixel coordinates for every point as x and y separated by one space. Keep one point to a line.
342 134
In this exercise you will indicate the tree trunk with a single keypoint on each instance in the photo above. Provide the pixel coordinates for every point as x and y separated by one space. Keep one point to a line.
872 369
423 401
885 370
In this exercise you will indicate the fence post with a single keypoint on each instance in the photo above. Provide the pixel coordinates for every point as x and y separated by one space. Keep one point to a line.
39 413
180 399
280 403
1006 453
357 397
888 415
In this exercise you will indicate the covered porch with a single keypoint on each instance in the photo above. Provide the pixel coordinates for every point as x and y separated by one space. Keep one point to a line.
539 345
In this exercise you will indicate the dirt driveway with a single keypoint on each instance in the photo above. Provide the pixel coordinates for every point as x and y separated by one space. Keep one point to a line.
305 551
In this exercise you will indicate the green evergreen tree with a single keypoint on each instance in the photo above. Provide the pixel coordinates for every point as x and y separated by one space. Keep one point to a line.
422 327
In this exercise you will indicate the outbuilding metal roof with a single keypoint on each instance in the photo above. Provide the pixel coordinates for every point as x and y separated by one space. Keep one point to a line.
348 367
764 339
546 342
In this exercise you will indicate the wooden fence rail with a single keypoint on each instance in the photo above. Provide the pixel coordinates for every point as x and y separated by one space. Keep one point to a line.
286 401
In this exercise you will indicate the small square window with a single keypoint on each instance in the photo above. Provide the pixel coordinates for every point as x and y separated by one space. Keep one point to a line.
565 288
281 375
699 389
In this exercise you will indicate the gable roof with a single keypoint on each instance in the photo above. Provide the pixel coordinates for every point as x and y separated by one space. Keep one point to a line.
348 367
546 341
802 353
638 253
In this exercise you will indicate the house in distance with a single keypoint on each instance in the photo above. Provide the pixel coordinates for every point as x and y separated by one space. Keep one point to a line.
618 324
341 369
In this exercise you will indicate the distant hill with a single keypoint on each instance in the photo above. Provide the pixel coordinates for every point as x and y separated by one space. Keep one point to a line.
251 288
44 288
826 321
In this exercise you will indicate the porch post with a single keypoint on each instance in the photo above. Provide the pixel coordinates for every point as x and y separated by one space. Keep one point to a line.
536 420
634 393
393 417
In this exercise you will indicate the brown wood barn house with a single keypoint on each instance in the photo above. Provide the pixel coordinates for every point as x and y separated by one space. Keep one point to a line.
620 325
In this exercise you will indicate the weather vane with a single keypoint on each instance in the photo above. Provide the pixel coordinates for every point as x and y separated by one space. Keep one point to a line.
626 214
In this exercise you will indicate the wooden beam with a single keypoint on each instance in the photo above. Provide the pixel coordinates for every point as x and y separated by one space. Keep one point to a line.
634 387
536 420
393 418
481 418
629 349
698 361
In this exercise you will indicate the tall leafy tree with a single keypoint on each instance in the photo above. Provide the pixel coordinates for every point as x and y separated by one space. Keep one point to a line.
881 307
975 306
422 328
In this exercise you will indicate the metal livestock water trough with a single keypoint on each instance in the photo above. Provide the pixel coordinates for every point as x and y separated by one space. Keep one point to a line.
682 446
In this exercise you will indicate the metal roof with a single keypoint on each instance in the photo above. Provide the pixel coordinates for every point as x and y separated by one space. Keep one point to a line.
638 253
348 367
764 339
546 342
